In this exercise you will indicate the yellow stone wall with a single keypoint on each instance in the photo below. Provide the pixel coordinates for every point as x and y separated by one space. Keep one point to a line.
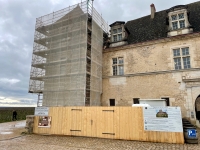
149 74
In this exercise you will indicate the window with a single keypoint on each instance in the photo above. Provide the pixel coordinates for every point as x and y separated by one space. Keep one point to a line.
175 25
136 101
117 34
114 31
118 66
115 38
112 102
181 58
178 21
119 37
167 101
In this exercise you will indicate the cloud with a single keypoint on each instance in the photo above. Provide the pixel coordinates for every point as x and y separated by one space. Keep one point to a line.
2 98
8 81
17 102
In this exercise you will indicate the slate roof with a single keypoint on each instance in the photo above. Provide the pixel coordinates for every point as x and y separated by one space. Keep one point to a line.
117 22
145 29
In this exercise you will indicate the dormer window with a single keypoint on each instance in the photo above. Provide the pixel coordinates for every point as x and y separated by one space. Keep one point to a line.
117 34
178 21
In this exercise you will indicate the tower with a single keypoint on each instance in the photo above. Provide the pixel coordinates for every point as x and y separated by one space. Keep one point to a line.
67 56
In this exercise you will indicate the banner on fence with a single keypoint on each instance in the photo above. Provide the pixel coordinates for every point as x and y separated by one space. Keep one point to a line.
41 111
165 119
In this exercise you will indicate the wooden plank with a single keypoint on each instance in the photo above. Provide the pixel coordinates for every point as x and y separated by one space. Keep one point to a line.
173 137
79 121
129 123
84 127
98 132
179 138
100 122
134 124
105 122
64 120
60 120
126 117
122 124
68 121
116 123
88 122
94 118
73 121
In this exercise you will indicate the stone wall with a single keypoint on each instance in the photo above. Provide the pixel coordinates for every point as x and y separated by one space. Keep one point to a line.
151 57
149 74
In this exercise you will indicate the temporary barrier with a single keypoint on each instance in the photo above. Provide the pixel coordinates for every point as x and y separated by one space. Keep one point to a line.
104 122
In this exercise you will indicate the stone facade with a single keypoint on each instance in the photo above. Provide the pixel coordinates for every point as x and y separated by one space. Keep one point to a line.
149 73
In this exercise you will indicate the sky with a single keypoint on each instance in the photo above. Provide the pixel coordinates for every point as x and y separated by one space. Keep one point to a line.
17 25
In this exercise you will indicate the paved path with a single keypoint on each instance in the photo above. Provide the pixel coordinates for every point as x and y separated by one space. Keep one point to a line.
41 142
11 129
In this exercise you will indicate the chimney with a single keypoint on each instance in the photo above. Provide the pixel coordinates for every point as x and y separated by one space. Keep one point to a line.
153 10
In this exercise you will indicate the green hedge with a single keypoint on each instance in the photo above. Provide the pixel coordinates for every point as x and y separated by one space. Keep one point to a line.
22 112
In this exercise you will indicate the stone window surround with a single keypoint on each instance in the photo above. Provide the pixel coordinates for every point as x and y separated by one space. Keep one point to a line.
117 65
184 11
172 55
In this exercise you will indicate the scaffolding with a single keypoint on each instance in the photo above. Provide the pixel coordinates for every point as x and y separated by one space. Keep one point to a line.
66 64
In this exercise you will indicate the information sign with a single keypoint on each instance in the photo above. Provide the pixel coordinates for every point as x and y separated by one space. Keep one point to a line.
41 111
191 133
166 119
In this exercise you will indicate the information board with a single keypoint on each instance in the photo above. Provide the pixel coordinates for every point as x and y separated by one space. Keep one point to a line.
41 111
166 119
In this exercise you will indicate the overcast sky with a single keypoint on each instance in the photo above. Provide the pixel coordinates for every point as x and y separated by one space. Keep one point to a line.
17 23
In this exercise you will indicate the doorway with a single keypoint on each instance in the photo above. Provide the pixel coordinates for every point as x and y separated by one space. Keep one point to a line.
197 108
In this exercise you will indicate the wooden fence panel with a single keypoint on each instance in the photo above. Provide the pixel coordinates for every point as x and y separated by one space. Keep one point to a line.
103 122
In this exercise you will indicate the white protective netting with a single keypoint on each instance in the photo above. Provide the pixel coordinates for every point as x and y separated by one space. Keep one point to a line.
60 56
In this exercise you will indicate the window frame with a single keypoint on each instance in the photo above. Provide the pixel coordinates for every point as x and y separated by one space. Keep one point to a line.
178 20
117 65
181 56
117 32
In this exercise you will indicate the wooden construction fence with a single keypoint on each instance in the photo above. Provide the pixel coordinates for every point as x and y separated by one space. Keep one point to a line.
104 122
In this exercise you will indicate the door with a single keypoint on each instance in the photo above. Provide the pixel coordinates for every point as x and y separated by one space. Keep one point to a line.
108 123
76 121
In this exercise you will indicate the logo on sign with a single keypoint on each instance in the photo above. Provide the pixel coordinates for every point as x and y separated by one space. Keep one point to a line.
191 133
